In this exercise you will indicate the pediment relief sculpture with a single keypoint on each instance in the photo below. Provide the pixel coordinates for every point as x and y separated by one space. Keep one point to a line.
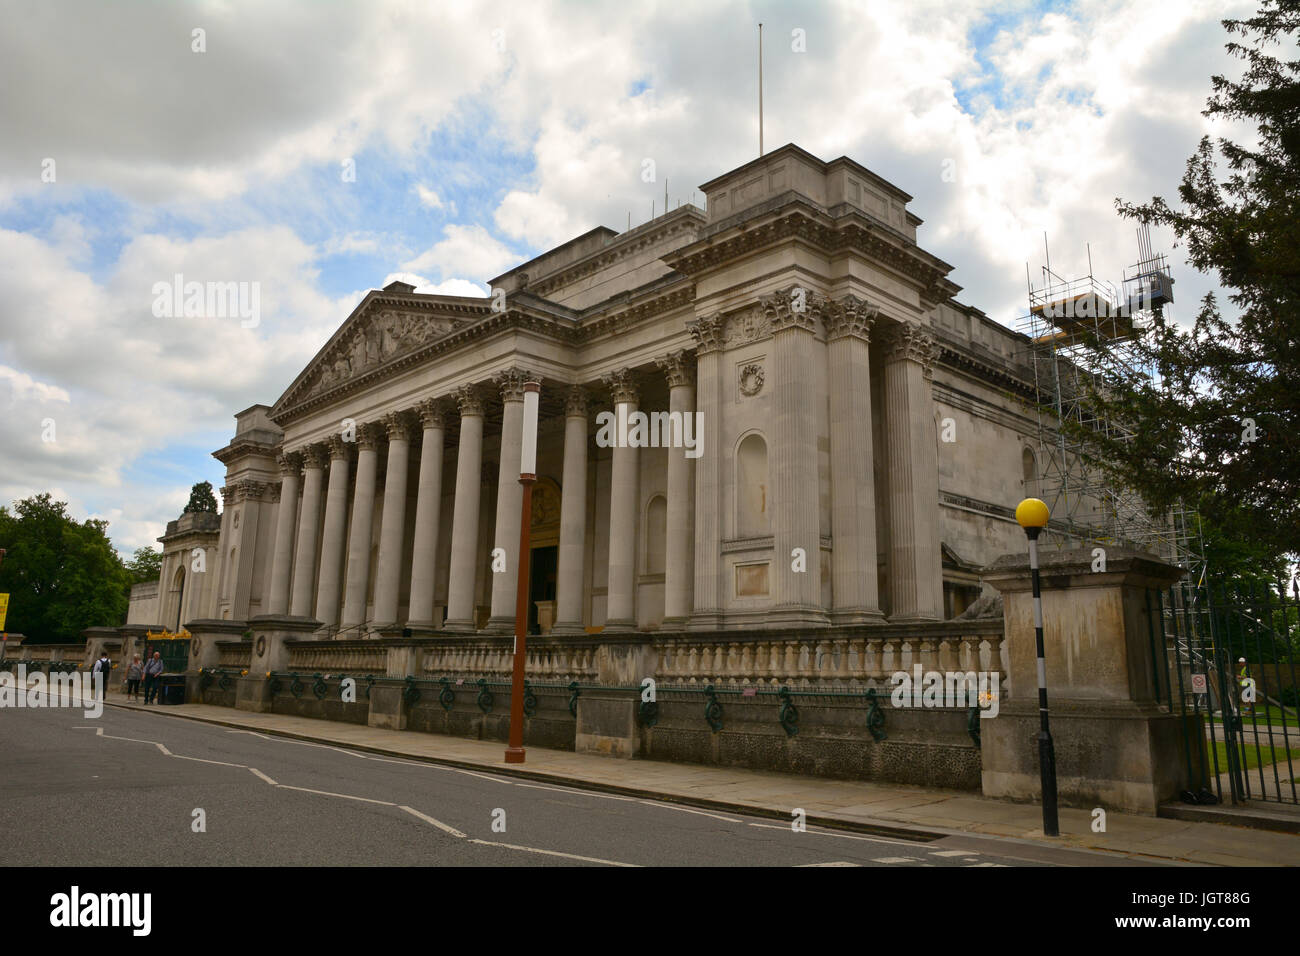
374 341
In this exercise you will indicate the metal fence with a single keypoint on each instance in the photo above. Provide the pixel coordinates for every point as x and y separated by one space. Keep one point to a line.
1225 658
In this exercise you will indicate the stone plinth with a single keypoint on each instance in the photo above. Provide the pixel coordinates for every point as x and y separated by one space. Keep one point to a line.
269 653
1116 745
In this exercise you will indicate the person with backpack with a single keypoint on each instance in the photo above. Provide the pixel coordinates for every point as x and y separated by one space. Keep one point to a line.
152 677
104 668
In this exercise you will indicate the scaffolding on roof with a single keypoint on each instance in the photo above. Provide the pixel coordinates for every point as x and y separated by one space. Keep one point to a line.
1065 317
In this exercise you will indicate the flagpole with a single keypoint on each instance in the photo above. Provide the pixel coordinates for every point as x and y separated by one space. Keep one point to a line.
760 89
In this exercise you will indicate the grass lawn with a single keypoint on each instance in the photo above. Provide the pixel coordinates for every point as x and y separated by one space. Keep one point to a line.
1270 754
1267 714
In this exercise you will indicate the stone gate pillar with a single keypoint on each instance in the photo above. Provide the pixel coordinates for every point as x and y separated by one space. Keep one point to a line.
1117 746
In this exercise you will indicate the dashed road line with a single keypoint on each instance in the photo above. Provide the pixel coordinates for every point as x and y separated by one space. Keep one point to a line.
703 813
567 856
437 823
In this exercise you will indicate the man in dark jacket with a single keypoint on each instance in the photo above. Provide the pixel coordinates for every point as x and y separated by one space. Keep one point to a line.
152 677
104 669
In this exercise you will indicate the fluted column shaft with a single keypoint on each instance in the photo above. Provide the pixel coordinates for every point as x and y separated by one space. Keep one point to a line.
392 525
679 549
510 498
624 485
915 565
304 565
854 588
363 519
331 549
707 599
573 517
277 599
794 457
428 508
464 521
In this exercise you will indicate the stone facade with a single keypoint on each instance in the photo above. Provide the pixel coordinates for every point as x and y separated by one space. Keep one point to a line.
861 433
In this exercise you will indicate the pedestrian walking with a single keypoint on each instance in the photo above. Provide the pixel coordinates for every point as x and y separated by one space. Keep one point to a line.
104 668
152 677
134 674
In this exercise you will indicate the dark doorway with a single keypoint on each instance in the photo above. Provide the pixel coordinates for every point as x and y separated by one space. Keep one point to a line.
541 581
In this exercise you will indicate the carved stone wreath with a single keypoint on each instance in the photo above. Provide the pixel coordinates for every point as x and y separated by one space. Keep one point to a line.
260 647
751 380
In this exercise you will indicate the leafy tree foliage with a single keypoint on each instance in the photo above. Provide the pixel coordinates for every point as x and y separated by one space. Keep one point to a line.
1219 426
62 576
202 498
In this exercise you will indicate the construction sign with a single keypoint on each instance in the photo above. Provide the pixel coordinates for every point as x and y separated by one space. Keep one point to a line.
4 609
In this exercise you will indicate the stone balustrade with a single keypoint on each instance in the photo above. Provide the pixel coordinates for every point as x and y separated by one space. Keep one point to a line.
549 659
338 657
863 657
234 654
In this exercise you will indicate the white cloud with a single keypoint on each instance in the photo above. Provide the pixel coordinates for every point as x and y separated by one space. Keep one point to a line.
465 250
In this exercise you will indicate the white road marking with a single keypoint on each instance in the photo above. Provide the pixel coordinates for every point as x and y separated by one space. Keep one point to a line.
437 823
837 863
832 833
977 865
344 796
703 813
259 773
567 856
895 859
953 853
577 793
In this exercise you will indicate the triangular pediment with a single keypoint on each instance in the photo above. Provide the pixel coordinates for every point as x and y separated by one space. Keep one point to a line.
385 328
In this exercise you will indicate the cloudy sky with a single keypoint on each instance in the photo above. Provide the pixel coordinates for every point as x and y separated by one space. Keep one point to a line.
481 135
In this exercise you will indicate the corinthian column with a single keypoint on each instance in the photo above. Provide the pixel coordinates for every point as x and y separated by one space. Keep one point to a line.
706 612
428 506
510 497
277 600
911 460
304 566
363 519
573 516
336 520
392 527
464 519
678 575
854 588
796 533
624 485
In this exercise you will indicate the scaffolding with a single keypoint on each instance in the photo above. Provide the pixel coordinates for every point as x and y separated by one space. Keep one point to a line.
1065 317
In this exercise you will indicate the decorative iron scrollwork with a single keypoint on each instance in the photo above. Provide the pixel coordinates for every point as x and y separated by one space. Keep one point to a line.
789 714
447 697
485 698
411 693
319 687
530 701
713 709
575 693
875 716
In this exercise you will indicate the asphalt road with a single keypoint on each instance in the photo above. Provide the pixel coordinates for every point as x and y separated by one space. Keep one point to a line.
68 786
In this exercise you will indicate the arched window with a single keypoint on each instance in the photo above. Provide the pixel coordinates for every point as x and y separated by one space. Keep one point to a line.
1028 465
178 587
752 506
656 535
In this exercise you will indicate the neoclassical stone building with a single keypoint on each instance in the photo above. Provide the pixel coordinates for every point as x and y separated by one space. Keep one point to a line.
862 445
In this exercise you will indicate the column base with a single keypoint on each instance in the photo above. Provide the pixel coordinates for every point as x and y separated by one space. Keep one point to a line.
500 625
914 618
676 623
460 627
423 628
625 626
857 615
568 629
709 620
797 615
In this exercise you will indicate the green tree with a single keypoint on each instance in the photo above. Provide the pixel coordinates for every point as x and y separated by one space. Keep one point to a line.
62 576
145 565
1217 428
202 498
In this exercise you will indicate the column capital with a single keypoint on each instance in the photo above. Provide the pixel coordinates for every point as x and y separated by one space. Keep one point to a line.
432 412
911 343
622 383
709 332
677 368
469 401
576 401
850 316
339 449
794 308
290 463
315 455
511 382
369 436
227 496
398 426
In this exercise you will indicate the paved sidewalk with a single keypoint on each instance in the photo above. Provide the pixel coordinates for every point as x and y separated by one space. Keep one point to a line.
836 803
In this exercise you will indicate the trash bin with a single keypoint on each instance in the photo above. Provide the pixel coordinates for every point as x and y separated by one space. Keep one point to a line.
172 690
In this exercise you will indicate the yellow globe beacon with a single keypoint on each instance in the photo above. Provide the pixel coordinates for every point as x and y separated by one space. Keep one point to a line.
1032 513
